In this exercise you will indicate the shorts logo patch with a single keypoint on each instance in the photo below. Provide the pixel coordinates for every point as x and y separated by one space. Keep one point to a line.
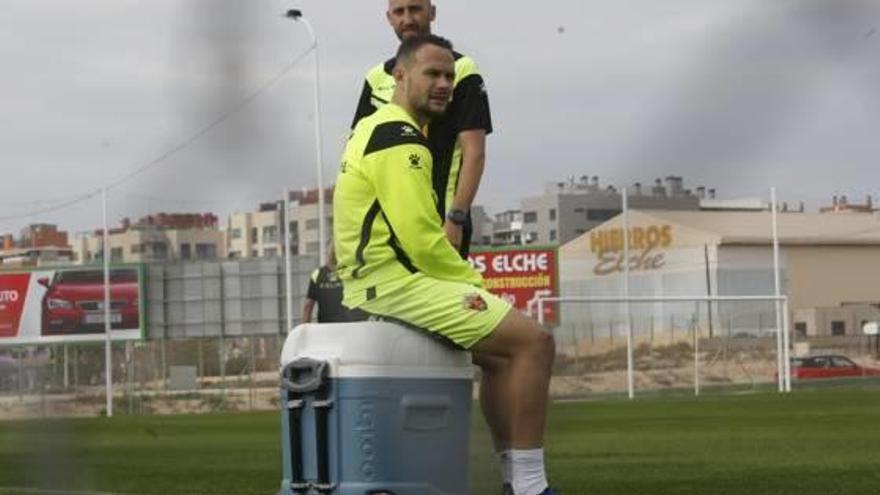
475 302
415 161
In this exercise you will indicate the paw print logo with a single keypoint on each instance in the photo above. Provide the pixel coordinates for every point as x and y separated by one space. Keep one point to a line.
415 161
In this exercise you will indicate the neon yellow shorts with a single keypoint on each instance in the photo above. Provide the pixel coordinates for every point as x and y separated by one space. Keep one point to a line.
457 313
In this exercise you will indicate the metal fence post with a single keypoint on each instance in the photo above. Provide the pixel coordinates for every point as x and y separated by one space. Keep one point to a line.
541 311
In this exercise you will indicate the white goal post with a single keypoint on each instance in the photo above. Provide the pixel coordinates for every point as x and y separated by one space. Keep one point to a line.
783 363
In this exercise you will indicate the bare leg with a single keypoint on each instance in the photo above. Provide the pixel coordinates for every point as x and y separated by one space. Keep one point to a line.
517 396
494 373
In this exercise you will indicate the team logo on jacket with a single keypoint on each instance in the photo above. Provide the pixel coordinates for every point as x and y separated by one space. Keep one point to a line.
475 302
408 131
415 161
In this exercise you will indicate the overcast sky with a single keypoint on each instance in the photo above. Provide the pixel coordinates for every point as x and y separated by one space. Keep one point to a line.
737 95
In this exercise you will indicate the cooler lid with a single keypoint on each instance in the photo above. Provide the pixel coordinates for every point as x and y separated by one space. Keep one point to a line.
376 349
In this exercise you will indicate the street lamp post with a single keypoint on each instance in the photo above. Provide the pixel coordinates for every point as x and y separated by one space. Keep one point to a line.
297 15
108 349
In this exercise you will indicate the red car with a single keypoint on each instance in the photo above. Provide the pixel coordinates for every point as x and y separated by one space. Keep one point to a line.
828 366
74 301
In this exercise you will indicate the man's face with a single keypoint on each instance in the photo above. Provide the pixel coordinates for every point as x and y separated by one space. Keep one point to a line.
410 18
428 80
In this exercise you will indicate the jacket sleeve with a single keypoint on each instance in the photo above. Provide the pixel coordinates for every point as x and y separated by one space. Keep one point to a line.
402 180
365 107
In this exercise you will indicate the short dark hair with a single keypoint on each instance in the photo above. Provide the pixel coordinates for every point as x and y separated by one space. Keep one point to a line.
411 45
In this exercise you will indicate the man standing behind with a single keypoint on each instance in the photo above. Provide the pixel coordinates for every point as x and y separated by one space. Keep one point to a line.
458 138
325 290
397 264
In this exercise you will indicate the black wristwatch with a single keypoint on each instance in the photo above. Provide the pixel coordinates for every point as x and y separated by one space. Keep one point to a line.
458 217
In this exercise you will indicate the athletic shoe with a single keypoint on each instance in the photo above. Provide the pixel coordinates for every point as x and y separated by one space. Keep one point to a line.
508 490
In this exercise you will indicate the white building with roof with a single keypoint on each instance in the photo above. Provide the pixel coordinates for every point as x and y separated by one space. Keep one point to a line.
830 266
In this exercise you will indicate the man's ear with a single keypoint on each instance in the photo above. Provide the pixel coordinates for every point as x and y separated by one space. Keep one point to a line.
398 73
433 13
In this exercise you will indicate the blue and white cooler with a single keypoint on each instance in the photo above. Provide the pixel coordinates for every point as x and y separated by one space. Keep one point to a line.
373 408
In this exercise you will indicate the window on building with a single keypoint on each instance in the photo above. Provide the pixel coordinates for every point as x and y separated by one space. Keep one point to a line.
206 251
800 328
270 252
136 248
270 234
293 226
235 233
312 224
312 248
530 217
158 250
838 327
552 214
185 251
234 255
116 254
552 236
598 215
254 253
255 234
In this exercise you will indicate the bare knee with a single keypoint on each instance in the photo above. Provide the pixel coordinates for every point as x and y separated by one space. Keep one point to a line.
540 346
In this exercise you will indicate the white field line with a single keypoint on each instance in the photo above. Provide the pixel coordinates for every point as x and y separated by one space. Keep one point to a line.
47 491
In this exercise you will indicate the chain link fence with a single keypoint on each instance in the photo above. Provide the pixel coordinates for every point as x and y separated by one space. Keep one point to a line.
673 355
685 349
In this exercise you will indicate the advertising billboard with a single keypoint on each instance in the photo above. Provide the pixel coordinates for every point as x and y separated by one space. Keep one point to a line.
67 305
520 274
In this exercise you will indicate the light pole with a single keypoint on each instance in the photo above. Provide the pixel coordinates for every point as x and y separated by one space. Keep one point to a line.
297 15
108 350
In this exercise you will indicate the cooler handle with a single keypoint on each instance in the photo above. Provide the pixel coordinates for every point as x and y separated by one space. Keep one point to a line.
304 375
294 415
322 413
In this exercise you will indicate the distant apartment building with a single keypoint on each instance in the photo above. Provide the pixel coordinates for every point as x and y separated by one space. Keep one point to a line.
261 233
156 238
38 245
507 229
747 204
841 204
482 222
568 209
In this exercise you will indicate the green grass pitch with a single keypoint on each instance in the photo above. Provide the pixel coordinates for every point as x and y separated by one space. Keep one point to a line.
813 442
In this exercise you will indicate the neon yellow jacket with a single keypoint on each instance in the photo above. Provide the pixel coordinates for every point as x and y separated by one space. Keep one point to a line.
386 224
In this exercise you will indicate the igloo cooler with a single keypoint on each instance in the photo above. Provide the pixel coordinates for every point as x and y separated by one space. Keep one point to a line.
373 408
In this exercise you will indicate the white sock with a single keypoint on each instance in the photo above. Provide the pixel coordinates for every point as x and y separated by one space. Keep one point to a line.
506 466
529 477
